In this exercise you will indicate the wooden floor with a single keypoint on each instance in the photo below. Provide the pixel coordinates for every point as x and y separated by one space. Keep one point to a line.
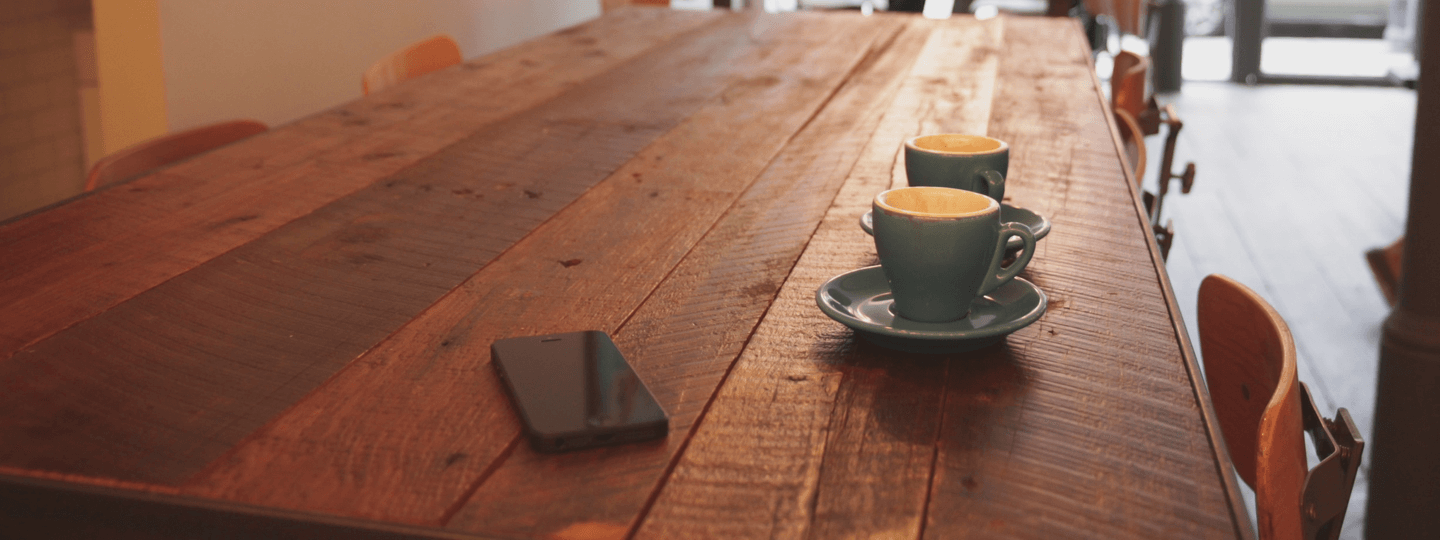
1294 183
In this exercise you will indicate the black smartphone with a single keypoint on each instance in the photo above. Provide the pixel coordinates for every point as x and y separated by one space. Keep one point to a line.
576 391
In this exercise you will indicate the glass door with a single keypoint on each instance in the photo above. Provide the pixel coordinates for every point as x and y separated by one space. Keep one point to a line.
1322 41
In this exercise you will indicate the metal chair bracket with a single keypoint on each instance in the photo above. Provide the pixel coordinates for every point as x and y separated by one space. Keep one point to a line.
1164 236
1327 486
1166 115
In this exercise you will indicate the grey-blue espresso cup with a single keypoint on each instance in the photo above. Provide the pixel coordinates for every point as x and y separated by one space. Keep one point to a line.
941 248
969 162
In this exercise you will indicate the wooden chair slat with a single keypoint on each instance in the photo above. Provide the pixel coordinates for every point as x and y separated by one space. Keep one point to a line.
430 54
161 151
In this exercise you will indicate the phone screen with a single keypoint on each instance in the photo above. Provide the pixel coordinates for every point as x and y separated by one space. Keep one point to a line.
576 390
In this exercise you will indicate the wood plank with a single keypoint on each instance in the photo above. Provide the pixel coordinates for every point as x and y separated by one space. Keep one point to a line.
880 451
70 263
157 387
684 338
1087 421
410 428
812 425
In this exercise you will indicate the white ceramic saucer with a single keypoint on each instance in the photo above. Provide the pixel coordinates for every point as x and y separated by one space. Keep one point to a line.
861 299
1039 226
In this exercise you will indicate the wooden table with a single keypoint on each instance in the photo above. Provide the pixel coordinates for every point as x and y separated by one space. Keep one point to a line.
290 335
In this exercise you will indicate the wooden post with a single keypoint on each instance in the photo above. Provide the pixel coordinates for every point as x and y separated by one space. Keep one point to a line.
1167 44
1057 8
1405 466
1247 30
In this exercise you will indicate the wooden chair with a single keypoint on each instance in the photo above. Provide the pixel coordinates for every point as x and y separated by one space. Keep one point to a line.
1263 410
430 54
149 155
1128 96
1128 82
1127 100
1133 143
1385 264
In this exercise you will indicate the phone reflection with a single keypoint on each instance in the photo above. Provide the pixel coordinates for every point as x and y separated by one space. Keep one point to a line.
611 386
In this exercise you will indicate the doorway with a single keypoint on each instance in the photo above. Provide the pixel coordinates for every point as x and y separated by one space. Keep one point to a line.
1344 42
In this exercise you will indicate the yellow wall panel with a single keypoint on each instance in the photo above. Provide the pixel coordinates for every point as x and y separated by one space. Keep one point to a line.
131 72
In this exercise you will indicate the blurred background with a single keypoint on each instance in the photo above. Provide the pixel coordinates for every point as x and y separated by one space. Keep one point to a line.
82 79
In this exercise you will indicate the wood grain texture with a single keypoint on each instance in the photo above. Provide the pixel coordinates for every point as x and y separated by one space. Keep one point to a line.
408 429
164 383
684 338
70 263
1096 428
811 425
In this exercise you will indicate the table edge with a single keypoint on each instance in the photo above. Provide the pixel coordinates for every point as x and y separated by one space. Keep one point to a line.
34 502
1244 528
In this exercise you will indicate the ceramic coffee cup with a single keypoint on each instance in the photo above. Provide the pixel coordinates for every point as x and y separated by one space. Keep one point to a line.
941 248
968 162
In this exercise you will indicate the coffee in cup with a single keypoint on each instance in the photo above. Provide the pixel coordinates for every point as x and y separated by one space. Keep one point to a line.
969 162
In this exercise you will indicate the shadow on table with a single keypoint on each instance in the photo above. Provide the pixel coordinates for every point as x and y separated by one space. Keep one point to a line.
969 400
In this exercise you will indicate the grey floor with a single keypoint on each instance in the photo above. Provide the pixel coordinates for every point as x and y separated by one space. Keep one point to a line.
1294 183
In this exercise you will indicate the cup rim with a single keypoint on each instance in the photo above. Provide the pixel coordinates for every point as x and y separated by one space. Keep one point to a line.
910 143
991 207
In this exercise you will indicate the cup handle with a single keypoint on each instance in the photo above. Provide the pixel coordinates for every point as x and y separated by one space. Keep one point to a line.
998 276
994 184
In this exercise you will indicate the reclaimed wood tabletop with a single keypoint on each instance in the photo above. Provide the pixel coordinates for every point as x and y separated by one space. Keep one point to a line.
289 336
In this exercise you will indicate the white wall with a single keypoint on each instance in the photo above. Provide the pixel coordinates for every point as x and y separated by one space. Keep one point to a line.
280 60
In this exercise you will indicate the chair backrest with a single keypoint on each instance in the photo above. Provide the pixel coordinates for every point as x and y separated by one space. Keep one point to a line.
430 54
1264 410
1133 142
154 153
1127 83
1249 359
